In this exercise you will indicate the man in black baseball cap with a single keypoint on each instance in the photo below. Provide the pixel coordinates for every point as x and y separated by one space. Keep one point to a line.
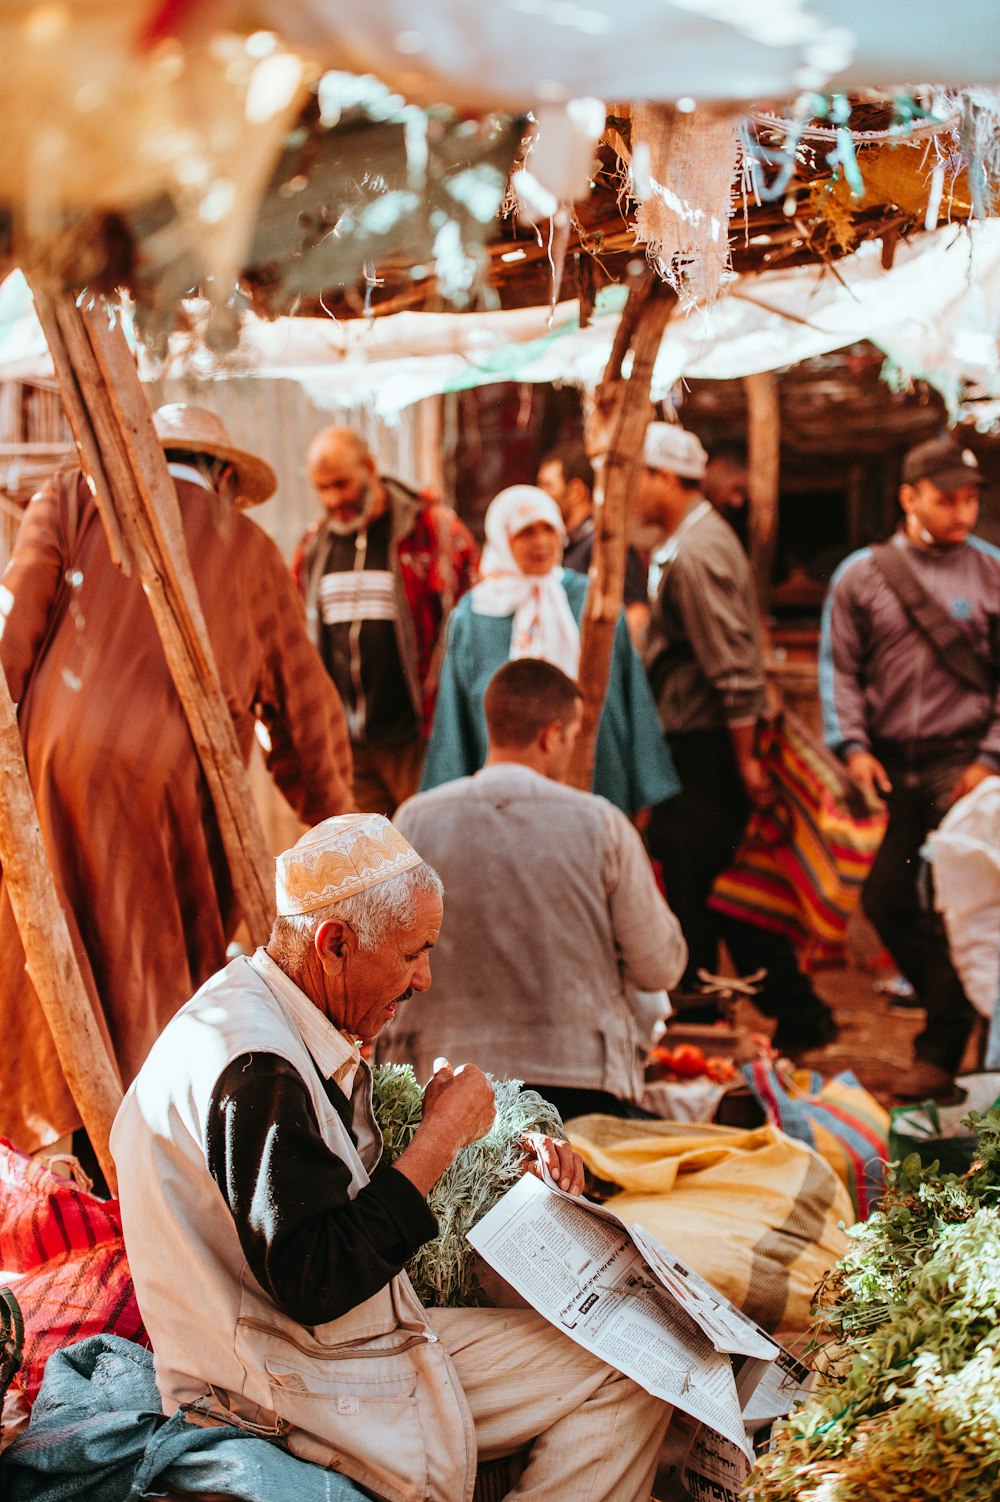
942 461
909 671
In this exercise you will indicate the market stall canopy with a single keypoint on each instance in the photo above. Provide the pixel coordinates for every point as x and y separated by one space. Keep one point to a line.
931 313
515 54
170 146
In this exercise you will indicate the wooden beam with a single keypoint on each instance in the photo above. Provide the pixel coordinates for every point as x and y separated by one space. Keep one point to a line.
122 455
51 962
616 431
763 468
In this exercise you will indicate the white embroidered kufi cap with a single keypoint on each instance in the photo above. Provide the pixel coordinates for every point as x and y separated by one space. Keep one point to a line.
337 859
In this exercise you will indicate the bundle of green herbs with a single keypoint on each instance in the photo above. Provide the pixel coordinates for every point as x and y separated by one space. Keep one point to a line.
443 1272
907 1403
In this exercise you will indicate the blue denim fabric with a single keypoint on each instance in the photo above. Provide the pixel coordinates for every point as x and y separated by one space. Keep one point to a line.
97 1435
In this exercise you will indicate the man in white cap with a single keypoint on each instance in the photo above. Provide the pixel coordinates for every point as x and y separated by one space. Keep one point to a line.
129 825
706 669
267 1241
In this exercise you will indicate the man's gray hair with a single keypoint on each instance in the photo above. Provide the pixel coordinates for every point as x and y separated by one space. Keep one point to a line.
372 914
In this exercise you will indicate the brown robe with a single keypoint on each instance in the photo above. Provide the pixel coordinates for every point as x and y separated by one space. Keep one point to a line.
126 813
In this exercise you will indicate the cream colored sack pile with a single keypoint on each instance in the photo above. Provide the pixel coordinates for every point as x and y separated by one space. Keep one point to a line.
754 1212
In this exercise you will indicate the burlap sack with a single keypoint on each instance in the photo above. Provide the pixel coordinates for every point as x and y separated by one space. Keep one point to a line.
757 1214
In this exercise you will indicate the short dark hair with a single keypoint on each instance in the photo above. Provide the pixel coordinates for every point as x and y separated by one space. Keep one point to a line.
523 697
574 461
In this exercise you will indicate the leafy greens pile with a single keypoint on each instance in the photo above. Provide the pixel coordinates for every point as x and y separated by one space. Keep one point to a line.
443 1271
907 1406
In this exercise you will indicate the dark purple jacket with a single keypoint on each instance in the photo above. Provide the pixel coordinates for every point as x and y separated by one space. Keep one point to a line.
880 679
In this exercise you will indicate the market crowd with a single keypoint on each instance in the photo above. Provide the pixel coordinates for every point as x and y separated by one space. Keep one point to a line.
421 706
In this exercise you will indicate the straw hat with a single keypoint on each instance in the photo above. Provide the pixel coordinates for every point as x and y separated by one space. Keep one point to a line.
339 858
198 431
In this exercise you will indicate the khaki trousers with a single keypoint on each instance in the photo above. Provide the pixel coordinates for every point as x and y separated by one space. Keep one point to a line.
385 776
597 1435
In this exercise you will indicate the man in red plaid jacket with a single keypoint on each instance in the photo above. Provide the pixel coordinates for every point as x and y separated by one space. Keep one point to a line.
379 574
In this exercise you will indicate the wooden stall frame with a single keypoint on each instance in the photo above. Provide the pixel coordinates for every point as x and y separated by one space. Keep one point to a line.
616 431
763 478
122 458
51 962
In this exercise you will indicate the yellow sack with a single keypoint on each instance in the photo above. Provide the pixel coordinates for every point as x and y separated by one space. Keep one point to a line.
756 1213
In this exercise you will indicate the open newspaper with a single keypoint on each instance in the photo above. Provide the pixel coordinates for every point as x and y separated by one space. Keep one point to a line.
621 1294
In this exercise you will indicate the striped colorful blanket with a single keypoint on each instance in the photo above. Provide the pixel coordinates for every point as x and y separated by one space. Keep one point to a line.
803 862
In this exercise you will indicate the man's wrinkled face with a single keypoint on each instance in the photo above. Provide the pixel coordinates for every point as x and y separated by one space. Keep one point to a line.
377 982
342 479
945 516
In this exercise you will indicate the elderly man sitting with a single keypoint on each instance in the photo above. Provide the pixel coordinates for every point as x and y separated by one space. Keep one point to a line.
267 1242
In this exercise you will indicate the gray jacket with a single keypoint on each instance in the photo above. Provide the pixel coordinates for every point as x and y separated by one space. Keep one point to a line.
552 917
703 648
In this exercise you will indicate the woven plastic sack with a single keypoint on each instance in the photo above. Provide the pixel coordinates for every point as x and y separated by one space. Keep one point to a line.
803 862
62 1252
838 1117
756 1213
964 852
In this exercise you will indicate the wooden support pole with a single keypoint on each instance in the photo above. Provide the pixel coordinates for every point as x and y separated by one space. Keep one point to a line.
763 468
621 413
123 458
91 1074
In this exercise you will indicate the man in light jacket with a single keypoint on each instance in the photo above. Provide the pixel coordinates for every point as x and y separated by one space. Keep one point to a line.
554 918
267 1239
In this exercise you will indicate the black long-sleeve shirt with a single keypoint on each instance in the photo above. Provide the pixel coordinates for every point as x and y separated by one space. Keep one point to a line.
315 1251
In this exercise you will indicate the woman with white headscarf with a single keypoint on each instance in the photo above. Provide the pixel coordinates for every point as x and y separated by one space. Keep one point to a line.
527 605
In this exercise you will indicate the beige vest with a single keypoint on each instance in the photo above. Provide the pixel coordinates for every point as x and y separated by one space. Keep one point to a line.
372 1394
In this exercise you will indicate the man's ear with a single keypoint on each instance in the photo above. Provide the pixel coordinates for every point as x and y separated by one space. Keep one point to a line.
548 736
332 942
907 495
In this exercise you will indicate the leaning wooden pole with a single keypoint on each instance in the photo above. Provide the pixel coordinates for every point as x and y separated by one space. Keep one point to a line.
763 467
120 452
621 413
51 961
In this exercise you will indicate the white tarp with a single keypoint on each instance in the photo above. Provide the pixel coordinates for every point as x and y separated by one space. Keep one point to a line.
937 313
513 53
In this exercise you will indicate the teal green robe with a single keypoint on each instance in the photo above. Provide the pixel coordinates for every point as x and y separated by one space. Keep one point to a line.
632 765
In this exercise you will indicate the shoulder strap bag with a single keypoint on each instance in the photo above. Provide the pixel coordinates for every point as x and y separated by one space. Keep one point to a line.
945 635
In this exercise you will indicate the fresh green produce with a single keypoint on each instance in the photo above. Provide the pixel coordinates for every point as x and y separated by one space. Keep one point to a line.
907 1404
443 1272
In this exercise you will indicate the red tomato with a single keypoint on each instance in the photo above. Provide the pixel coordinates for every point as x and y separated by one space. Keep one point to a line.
687 1061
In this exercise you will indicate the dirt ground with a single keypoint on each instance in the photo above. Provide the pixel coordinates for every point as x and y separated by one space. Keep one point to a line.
876 1030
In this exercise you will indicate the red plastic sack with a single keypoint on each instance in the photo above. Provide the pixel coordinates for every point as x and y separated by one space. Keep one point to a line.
62 1252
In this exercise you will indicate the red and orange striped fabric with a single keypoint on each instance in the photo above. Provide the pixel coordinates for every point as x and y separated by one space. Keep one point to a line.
803 862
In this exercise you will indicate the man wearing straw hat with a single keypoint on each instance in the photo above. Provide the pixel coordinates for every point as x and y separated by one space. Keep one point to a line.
267 1240
129 824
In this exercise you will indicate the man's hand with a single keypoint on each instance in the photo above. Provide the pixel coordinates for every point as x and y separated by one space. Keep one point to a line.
869 774
459 1101
969 779
563 1163
459 1107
